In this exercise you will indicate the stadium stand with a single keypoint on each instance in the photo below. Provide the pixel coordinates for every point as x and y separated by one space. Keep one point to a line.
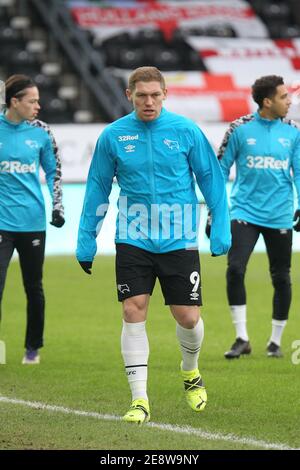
282 18
211 51
27 48
39 38
129 51
80 51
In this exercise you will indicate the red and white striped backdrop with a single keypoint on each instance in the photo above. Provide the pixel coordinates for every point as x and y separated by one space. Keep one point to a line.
207 97
167 16
224 92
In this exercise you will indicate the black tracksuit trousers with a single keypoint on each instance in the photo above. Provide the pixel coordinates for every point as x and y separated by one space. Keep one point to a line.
31 249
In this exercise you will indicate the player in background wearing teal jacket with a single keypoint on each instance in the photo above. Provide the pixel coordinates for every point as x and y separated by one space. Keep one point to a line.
26 144
154 154
266 150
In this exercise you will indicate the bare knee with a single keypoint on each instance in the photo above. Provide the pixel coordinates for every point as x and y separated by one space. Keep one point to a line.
135 308
186 316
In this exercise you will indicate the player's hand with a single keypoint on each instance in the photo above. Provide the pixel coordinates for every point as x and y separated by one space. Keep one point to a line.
208 225
57 219
86 266
297 220
219 245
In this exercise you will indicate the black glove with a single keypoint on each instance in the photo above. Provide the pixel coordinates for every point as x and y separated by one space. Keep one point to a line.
86 266
208 225
57 219
297 220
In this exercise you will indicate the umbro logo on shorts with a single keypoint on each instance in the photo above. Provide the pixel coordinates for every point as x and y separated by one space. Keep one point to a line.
36 242
194 295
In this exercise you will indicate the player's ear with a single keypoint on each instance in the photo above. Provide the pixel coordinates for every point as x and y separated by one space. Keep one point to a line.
267 102
165 93
129 94
14 101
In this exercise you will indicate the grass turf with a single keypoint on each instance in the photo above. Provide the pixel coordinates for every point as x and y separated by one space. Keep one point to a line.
253 397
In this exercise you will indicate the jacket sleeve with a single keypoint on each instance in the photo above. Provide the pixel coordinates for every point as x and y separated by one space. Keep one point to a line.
96 200
51 164
228 150
296 167
211 183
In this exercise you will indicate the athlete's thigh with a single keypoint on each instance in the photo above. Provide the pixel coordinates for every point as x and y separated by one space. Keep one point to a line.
31 249
135 308
179 276
6 252
134 271
7 245
279 247
244 238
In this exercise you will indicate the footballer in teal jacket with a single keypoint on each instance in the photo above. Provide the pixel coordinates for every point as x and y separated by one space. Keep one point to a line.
267 158
155 163
24 148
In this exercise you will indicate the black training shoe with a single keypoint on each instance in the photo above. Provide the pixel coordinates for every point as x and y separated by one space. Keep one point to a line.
240 346
273 350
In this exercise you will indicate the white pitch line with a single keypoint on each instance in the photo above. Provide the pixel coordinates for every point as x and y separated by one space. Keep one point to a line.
210 436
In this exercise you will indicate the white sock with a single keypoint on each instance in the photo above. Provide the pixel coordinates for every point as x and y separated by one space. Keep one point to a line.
135 352
277 330
190 341
239 319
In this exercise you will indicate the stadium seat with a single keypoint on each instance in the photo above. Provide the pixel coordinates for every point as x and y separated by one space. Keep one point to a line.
185 32
130 58
68 92
220 30
20 23
289 31
295 11
194 61
11 42
111 54
23 62
7 3
4 18
52 69
117 40
166 59
36 47
82 116
276 11
55 110
146 36
46 82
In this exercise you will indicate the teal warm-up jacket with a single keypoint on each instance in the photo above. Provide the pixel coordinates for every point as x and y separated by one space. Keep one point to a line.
154 163
24 148
267 157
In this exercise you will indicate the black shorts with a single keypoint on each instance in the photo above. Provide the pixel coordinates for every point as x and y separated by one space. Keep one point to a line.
178 273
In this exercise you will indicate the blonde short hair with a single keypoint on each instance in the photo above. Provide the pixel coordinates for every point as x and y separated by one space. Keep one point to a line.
146 74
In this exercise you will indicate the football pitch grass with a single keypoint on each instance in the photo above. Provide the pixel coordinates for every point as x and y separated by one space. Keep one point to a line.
253 402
